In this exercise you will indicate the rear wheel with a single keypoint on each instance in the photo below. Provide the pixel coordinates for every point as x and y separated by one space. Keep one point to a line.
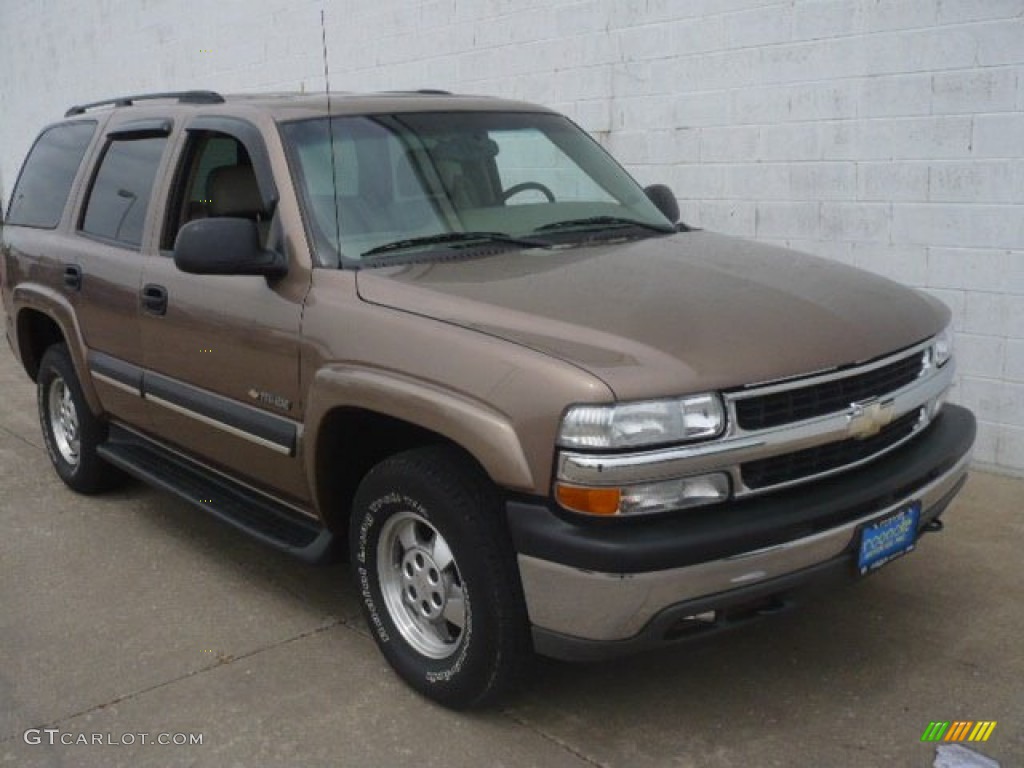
70 430
438 579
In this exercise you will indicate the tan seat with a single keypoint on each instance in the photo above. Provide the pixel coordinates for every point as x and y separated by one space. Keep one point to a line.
232 191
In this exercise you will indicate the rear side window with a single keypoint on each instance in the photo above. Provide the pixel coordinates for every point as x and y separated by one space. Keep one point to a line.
45 182
119 198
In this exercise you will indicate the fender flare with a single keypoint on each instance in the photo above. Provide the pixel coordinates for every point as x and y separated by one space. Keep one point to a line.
55 305
482 431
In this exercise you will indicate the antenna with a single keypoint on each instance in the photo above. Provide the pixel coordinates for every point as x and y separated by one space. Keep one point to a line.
330 131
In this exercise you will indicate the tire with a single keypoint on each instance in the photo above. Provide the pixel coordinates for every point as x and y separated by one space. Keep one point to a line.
71 432
440 589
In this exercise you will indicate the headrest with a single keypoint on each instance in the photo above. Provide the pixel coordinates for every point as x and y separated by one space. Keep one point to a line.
233 191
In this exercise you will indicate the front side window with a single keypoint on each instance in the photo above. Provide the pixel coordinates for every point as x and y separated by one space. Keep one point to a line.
216 178
430 181
119 198
45 182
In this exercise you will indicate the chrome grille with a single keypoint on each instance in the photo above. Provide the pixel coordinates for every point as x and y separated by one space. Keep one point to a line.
799 403
789 467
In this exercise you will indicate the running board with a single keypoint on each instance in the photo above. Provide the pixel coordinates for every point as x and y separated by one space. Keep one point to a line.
261 517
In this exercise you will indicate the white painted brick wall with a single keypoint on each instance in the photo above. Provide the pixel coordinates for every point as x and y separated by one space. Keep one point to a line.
888 134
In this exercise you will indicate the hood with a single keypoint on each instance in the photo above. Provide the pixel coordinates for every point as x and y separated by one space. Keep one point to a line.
669 315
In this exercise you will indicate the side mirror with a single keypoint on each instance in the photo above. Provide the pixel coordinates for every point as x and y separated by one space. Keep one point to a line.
664 200
225 246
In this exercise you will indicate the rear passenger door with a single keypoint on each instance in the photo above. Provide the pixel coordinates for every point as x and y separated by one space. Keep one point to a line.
111 227
221 352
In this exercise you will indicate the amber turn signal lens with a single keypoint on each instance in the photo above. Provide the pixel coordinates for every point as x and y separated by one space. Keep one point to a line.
592 501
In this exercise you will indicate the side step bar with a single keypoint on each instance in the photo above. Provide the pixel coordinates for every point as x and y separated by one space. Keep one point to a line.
260 516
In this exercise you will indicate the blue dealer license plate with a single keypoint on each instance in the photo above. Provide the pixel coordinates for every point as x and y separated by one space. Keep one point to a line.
888 538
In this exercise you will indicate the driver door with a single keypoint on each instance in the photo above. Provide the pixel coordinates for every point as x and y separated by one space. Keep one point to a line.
222 352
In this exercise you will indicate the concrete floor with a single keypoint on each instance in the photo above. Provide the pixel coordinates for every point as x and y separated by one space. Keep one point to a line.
132 613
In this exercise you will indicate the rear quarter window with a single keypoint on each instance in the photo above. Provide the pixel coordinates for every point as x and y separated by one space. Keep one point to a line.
44 184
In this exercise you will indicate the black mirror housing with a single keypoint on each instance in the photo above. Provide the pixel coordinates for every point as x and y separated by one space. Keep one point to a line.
665 201
225 246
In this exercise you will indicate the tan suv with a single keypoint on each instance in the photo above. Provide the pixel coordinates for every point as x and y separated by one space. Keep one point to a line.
452 337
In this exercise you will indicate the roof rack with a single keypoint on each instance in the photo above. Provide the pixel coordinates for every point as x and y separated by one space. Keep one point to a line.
423 91
183 97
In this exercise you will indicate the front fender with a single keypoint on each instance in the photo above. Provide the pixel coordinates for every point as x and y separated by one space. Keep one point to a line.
478 428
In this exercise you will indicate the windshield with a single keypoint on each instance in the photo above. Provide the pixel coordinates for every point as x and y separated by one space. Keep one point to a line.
408 181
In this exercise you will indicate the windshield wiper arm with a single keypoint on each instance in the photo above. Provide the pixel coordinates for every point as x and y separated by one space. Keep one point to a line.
456 237
601 222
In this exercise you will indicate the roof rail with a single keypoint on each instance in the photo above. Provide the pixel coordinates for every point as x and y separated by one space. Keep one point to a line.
183 97
422 91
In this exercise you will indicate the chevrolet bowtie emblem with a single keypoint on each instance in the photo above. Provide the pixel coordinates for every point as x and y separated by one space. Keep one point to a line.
867 418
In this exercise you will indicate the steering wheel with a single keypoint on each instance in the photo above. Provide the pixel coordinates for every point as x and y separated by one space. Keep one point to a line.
526 186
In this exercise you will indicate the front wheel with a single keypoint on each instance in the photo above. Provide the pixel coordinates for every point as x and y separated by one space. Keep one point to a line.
437 576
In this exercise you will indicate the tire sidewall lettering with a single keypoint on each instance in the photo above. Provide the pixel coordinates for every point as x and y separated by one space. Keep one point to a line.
375 621
365 590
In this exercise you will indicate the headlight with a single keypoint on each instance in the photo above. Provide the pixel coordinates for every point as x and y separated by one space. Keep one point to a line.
942 348
649 422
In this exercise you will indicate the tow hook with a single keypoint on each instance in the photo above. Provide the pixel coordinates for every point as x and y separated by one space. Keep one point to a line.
933 526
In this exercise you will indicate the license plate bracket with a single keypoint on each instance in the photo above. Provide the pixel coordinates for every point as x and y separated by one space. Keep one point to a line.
884 540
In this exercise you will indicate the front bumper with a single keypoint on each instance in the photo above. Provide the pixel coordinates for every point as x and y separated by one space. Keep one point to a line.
597 590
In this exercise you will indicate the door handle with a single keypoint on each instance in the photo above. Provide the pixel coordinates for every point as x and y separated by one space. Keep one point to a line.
154 298
72 277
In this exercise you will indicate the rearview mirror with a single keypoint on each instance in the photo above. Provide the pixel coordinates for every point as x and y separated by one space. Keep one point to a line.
665 201
225 246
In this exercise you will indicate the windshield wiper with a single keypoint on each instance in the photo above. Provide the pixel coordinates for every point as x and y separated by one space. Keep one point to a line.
602 222
456 237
